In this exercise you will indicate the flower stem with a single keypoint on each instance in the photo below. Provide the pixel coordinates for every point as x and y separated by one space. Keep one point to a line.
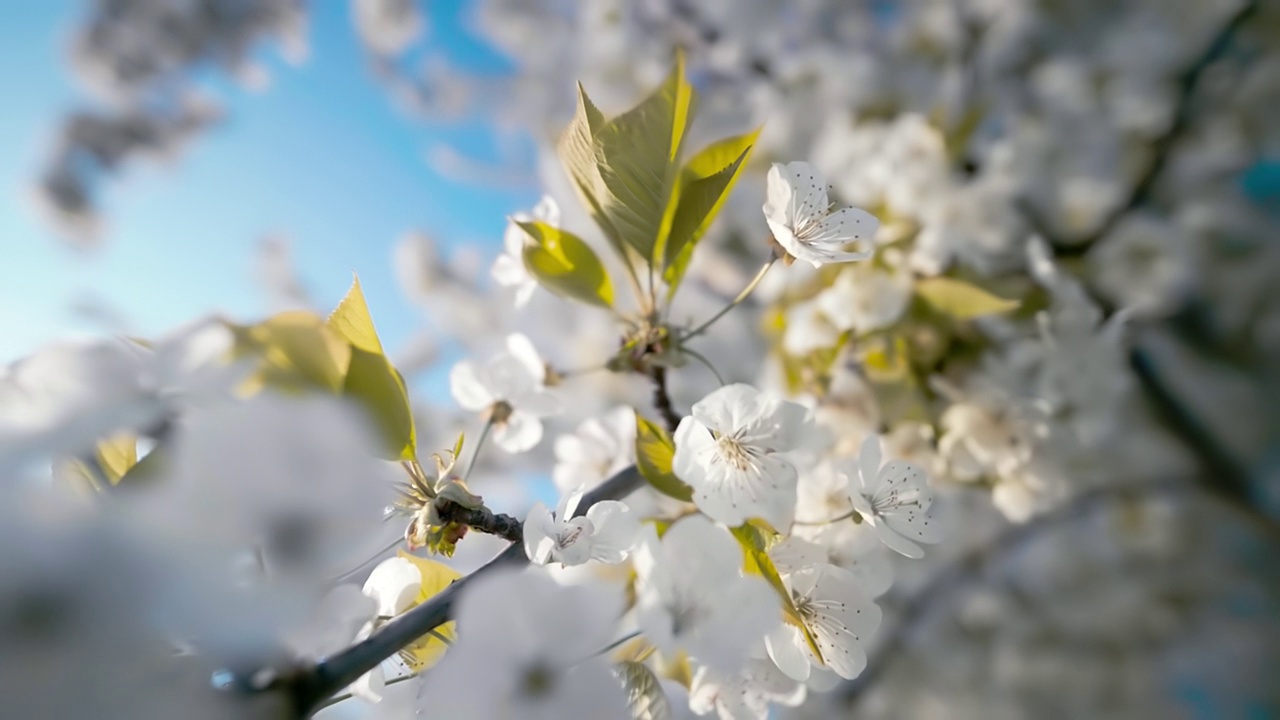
736 301
475 454
814 523
619 642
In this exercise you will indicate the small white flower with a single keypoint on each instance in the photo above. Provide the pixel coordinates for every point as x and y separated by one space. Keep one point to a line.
527 648
394 584
799 215
606 533
893 498
838 615
866 301
508 268
728 449
745 695
510 388
690 595
597 449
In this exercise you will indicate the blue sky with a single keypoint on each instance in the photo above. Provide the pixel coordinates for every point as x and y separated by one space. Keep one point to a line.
322 156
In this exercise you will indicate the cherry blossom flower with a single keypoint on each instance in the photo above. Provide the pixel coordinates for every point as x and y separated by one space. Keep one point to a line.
596 450
836 613
799 215
510 388
893 498
744 695
866 301
526 648
508 268
728 449
691 596
606 533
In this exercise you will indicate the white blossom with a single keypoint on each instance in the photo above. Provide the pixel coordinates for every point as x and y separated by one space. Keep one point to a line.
744 695
728 451
691 596
838 615
868 300
606 533
800 217
893 498
526 649
510 388
597 449
508 268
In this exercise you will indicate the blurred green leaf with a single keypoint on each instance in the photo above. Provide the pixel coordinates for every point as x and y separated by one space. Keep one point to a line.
371 379
296 350
566 265
960 299
645 698
654 454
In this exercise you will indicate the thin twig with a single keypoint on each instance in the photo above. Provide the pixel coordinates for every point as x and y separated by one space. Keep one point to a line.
662 398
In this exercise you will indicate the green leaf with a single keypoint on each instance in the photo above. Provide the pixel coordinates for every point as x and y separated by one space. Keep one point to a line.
756 537
297 350
637 154
428 649
117 456
705 182
645 698
566 265
961 300
577 151
371 379
654 453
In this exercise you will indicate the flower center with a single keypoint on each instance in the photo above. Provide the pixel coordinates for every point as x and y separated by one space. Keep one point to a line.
569 535
500 412
538 680
734 452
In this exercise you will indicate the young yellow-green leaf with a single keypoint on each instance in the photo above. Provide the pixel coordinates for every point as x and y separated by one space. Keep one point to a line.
117 456
645 697
654 453
370 377
637 154
428 649
756 538
296 349
577 151
705 181
566 265
961 300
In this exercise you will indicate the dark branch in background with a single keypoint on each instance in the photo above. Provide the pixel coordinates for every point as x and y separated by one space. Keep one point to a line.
662 399
483 520
964 569
1161 147
311 686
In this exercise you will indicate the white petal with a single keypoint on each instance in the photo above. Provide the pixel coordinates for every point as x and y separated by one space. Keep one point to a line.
521 348
844 621
519 433
788 650
693 443
467 383
508 271
370 685
616 531
538 530
897 542
869 464
394 584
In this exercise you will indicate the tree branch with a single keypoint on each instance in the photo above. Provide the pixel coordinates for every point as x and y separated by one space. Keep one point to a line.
1161 147
662 399
482 519
309 686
